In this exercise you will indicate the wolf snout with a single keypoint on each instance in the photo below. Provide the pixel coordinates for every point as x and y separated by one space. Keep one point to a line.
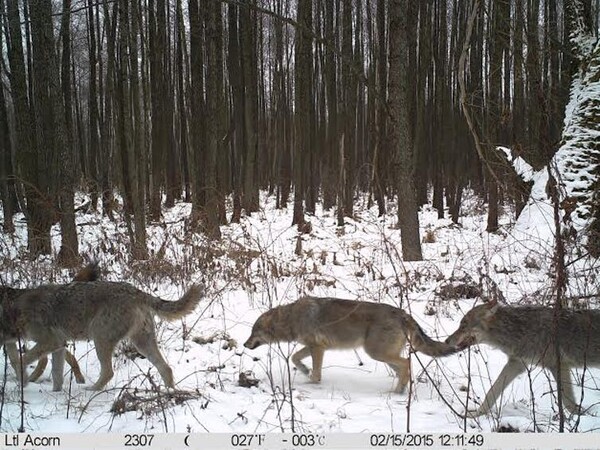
251 344
460 344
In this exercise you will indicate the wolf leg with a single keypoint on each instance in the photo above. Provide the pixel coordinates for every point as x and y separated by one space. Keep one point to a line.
43 362
297 358
567 388
39 350
58 367
72 361
104 351
510 371
386 347
398 364
13 357
402 369
39 369
316 353
145 342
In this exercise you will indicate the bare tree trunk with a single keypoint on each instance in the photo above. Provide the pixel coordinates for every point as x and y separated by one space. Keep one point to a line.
282 156
213 102
349 112
6 163
330 73
157 49
197 117
93 113
181 96
380 157
535 152
442 94
69 251
238 142
42 102
137 151
303 57
107 125
38 241
248 27
400 139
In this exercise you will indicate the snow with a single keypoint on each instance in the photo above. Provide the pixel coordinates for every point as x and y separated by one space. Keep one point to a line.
253 268
574 165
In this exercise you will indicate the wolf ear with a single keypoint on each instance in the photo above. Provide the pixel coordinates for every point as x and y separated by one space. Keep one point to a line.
492 306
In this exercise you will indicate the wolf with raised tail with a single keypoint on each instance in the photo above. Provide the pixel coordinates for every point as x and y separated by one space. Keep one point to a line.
105 312
323 323
527 335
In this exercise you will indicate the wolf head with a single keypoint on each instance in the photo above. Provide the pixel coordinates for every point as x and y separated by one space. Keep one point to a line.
8 322
473 326
262 331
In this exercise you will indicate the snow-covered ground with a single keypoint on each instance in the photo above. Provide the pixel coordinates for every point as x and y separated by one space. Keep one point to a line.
254 267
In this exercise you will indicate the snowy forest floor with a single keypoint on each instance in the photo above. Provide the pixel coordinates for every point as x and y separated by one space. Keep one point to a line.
255 267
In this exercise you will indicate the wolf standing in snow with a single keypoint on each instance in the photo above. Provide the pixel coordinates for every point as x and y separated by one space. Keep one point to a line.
528 335
8 294
331 323
105 312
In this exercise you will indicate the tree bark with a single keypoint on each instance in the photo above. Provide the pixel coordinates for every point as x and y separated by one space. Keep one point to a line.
399 129
303 58
213 110
38 239
63 118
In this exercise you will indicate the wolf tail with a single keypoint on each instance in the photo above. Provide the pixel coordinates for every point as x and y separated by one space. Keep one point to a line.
421 342
170 310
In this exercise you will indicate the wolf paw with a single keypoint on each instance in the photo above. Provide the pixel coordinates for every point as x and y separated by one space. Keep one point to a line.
23 378
400 390
314 378
473 413
302 368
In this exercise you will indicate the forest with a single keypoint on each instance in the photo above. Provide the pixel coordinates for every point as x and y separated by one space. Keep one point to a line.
427 157
214 101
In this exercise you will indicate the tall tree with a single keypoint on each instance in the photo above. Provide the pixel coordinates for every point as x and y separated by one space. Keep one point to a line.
303 101
69 250
247 33
197 122
282 114
380 162
213 109
181 98
128 127
399 132
107 89
158 89
346 202
38 238
495 129
93 110
238 141
137 151
6 161
331 158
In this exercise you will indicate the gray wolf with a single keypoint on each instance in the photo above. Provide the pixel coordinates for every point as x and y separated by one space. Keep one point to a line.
90 272
527 335
330 323
105 312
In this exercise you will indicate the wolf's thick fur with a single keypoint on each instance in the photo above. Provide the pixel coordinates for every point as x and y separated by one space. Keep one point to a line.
105 312
331 323
527 336
90 272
